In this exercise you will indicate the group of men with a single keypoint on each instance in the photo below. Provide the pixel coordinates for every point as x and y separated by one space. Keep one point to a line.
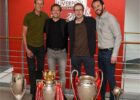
82 34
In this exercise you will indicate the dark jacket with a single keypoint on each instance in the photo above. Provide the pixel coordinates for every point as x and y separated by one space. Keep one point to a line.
91 34
64 31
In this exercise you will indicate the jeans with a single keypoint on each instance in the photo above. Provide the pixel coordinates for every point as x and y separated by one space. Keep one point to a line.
88 62
58 57
104 61
35 67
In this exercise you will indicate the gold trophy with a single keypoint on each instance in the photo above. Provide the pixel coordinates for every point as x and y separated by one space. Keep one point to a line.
49 85
18 86
117 91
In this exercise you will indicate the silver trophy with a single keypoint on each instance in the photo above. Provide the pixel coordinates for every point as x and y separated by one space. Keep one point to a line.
49 85
117 91
18 86
86 87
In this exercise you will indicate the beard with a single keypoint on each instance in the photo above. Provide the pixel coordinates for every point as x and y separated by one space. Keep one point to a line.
101 12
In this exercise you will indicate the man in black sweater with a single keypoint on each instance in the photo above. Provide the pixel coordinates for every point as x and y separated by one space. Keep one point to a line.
82 32
56 43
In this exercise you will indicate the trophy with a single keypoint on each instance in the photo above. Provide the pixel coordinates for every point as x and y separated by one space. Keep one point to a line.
18 86
49 85
117 91
86 87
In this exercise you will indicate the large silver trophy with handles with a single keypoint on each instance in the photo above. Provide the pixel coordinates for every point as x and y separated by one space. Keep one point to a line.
49 85
18 86
86 87
117 91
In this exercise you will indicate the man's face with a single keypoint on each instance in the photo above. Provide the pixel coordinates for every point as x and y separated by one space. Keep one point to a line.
78 10
55 12
98 8
38 5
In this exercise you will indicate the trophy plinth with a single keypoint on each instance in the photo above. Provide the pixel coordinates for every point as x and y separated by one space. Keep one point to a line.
18 86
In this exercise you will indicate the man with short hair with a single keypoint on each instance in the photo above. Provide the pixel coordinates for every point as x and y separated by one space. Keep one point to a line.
109 40
33 37
82 33
56 43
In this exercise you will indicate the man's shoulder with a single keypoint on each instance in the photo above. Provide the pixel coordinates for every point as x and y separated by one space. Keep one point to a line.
89 18
63 20
29 13
71 22
109 15
44 13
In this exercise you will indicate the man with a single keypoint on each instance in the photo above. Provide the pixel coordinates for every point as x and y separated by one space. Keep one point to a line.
57 39
82 32
109 40
33 38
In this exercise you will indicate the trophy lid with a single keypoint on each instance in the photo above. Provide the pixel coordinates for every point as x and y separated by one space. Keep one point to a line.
49 76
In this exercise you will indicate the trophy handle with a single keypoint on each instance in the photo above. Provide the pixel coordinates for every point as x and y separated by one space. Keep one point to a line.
96 77
24 88
71 78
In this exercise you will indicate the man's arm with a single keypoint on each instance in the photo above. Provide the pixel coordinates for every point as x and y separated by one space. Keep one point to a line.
117 38
24 32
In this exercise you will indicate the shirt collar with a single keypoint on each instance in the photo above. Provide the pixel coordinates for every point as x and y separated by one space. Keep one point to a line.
105 13
36 14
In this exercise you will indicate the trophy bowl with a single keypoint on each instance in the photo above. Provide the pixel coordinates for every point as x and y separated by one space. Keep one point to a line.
86 88
49 91
18 86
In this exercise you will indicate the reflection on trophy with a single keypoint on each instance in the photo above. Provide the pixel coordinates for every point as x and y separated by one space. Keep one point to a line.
49 85
18 86
86 87
117 93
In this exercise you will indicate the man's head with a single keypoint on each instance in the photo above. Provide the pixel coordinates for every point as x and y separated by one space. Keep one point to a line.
78 10
38 4
56 10
98 6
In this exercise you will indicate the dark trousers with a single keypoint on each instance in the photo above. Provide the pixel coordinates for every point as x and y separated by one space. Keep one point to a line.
104 61
35 67
88 62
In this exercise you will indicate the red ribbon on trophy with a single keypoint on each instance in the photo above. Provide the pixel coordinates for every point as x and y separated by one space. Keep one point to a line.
39 92
59 93
98 83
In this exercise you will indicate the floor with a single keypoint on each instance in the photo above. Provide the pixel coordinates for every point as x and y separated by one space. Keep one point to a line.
5 94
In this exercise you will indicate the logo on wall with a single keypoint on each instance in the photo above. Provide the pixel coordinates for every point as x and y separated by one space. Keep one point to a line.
68 5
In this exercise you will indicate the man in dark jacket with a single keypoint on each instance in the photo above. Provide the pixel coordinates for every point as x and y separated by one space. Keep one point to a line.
82 32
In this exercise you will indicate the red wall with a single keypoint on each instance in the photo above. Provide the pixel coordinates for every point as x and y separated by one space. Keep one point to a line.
17 10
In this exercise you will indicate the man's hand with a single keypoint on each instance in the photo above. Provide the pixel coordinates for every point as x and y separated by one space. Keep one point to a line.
113 60
29 53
